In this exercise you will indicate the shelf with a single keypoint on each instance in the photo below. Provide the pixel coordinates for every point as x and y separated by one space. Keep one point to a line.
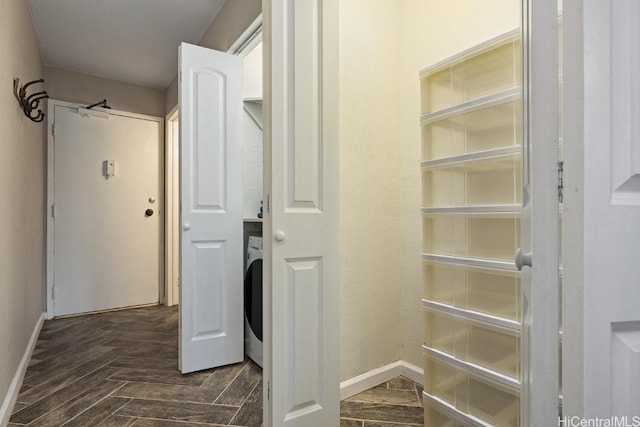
476 164
489 128
481 290
447 409
484 102
461 160
494 348
504 325
496 42
482 70
475 262
472 268
487 182
505 382
488 211
506 416
475 237
468 395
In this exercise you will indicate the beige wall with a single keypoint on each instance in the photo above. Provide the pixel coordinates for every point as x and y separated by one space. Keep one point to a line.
82 88
172 96
22 183
383 47
232 20
229 24
434 30
370 154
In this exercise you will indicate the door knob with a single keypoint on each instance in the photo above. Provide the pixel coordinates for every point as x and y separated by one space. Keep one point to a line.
186 226
280 236
148 212
523 259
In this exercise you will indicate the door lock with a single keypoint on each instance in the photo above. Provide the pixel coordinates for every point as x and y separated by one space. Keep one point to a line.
148 212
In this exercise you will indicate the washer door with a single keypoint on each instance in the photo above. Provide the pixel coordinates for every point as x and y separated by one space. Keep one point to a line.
253 297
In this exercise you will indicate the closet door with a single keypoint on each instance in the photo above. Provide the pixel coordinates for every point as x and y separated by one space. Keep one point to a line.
539 258
211 275
301 276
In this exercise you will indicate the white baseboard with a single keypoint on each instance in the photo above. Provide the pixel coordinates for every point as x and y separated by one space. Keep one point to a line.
413 372
377 376
16 383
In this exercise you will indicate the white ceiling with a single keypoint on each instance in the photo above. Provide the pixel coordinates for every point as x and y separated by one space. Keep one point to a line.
135 41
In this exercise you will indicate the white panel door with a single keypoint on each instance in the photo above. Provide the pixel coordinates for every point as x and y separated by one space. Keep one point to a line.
538 257
601 239
301 176
211 280
107 247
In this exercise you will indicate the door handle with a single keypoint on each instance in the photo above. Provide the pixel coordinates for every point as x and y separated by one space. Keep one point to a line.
523 259
280 236
186 226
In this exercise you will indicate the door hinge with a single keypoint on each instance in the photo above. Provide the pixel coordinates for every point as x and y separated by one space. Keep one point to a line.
268 390
53 129
268 204
560 181
53 211
53 292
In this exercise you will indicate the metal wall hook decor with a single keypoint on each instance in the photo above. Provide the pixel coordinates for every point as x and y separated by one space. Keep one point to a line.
29 104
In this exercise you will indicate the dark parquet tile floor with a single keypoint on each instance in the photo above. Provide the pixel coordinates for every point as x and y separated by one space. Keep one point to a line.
396 403
120 369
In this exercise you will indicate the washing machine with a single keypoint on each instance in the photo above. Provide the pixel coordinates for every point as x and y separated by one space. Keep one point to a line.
253 301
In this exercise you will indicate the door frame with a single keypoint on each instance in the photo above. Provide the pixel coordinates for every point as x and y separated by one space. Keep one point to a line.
172 200
50 223
248 39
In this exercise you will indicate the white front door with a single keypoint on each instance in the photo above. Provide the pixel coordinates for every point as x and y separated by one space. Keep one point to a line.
211 279
301 276
108 210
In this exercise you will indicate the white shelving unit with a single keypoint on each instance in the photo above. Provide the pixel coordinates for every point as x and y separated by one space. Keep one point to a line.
471 206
